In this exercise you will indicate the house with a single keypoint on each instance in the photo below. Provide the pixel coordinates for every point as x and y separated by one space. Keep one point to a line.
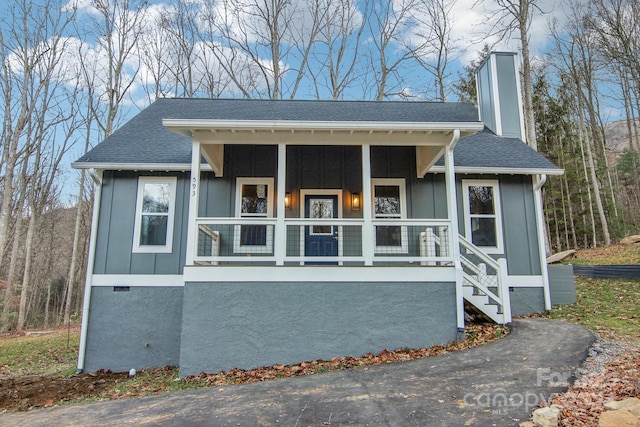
242 233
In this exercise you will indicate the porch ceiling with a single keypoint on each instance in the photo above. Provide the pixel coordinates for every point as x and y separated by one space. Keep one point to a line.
429 138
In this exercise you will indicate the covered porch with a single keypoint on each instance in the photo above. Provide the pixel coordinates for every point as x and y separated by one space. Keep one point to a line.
285 230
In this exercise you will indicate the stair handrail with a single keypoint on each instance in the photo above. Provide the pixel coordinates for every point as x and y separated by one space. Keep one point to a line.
500 267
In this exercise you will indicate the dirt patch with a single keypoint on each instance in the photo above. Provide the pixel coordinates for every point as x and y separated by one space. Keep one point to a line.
25 393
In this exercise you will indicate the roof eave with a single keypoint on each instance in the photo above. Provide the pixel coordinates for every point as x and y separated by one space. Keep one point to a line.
184 126
164 167
181 167
499 171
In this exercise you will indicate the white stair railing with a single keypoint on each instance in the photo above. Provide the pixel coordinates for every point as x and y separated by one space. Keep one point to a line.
484 282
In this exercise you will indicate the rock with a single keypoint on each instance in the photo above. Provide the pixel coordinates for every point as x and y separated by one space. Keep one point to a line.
618 419
546 417
631 404
631 240
560 256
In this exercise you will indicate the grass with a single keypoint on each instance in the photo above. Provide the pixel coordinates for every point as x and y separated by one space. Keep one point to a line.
46 354
607 306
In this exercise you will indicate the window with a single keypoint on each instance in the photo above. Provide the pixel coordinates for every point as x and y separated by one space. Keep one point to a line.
254 199
155 205
483 224
389 203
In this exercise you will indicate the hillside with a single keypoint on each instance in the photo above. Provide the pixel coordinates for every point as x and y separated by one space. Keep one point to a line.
617 137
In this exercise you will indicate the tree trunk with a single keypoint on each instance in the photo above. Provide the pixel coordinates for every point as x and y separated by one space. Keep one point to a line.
74 252
529 117
11 275
26 277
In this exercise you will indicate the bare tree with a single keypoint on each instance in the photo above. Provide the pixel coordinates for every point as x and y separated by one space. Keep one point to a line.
393 48
179 25
515 16
258 41
157 68
117 26
31 49
435 19
576 57
334 66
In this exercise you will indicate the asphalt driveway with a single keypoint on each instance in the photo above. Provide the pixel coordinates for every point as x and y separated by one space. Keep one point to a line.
496 384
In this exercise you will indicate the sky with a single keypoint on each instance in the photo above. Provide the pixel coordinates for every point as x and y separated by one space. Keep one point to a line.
471 22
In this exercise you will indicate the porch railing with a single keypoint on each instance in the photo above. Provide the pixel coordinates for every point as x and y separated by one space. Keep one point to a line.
484 282
255 241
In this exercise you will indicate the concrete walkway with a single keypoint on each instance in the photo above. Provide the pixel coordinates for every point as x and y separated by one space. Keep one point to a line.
496 384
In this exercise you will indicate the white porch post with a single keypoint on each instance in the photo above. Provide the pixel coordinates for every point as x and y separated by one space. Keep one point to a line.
281 231
452 212
367 207
97 199
538 182
194 196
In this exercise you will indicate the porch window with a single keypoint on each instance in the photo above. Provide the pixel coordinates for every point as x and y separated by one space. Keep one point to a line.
389 203
254 200
483 221
155 205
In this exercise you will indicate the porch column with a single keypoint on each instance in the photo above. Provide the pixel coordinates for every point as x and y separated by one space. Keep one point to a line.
538 182
367 203
281 231
194 196
452 212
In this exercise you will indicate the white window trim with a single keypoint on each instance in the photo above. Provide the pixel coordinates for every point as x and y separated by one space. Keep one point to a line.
466 183
237 247
404 244
168 246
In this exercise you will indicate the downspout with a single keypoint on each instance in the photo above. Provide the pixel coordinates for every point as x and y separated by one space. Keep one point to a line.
538 182
452 208
97 178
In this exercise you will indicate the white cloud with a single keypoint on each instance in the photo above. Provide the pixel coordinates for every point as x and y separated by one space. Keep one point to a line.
474 21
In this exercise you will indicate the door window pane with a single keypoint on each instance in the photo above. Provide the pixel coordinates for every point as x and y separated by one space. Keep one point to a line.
321 209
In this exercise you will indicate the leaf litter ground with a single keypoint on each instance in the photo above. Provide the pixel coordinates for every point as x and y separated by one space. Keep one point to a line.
25 392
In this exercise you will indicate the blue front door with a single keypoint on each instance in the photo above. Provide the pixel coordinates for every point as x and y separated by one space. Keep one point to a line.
321 240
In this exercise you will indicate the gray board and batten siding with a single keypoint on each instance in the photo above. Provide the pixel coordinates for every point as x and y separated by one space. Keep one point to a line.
503 118
425 199
114 241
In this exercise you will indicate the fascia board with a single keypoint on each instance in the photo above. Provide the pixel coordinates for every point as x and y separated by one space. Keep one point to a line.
204 166
137 166
499 171
181 125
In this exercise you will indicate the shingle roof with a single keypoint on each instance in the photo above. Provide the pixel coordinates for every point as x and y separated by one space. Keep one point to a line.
487 150
144 140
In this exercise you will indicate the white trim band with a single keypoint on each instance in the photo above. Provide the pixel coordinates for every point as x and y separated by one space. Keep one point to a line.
138 280
337 274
